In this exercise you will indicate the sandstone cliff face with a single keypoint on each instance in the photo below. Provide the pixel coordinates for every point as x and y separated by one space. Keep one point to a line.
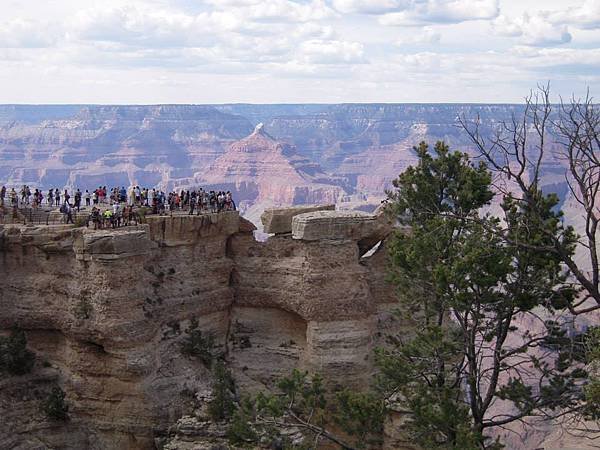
112 145
259 169
105 312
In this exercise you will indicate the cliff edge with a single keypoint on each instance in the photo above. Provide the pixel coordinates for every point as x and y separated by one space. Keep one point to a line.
105 313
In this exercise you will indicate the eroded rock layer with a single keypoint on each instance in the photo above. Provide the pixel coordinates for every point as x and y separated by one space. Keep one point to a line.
105 313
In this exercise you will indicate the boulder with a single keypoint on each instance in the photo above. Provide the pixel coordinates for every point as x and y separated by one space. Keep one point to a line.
279 220
366 229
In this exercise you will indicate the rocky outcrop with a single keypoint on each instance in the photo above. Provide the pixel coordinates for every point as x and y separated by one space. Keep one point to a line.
279 220
105 312
366 229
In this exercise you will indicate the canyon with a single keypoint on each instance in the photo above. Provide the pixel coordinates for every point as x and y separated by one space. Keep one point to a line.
267 155
105 311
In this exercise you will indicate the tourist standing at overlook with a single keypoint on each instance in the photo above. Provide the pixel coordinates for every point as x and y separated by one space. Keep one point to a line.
67 197
13 198
131 196
2 196
78 200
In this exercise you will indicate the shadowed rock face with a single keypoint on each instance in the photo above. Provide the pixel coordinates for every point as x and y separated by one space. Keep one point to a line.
105 312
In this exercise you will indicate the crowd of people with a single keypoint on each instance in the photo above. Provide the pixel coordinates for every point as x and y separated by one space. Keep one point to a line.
116 207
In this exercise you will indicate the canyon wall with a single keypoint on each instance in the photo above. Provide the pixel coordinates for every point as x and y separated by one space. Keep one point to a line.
105 313
346 154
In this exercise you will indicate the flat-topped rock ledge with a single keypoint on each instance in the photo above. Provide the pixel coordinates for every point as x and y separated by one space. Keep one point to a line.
116 243
185 229
279 220
354 225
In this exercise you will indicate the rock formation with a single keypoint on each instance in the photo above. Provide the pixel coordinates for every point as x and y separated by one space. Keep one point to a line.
262 170
279 220
105 313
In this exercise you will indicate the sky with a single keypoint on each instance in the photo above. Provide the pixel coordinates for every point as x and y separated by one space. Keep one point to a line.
295 51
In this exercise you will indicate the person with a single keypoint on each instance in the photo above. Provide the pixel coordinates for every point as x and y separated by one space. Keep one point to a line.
67 210
220 201
50 197
95 217
78 199
212 200
36 197
14 200
57 197
87 198
192 204
2 196
67 197
107 217
116 216
131 196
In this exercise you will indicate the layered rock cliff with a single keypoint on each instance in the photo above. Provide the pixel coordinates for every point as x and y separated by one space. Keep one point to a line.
104 311
303 153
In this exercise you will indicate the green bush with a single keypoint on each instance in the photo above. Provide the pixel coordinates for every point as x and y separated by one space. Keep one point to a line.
54 406
83 309
14 356
241 431
199 345
222 405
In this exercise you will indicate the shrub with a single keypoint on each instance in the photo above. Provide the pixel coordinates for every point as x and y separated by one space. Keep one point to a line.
199 345
14 356
84 309
222 405
54 406
241 431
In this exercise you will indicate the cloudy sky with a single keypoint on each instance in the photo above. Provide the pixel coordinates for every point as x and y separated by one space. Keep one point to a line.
277 51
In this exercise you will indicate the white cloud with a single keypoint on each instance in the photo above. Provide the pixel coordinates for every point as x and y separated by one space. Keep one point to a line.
289 11
294 50
22 33
503 26
428 35
586 15
370 6
441 11
331 52
534 30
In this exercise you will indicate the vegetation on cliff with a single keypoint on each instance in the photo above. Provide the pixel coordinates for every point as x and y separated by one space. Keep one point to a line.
15 358
54 406
471 293
303 414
